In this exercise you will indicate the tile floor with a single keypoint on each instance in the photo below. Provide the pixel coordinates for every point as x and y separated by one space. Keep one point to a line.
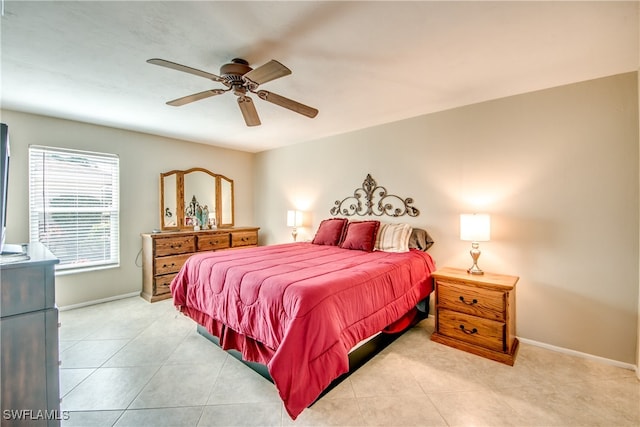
131 363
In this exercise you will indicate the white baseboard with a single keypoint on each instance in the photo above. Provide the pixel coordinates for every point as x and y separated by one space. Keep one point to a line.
604 360
98 301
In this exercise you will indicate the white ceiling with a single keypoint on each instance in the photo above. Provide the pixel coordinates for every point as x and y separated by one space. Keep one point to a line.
360 63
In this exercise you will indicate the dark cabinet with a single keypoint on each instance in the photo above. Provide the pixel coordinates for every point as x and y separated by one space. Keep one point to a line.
29 340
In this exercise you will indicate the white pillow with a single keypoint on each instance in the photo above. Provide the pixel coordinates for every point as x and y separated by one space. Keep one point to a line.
393 238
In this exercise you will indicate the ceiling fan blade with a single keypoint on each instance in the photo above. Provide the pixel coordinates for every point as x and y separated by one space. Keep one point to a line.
290 104
184 68
265 73
248 111
195 97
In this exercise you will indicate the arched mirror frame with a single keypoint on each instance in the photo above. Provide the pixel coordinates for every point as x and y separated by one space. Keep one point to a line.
221 202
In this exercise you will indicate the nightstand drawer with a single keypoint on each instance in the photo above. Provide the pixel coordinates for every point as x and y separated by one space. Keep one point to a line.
175 245
474 330
471 300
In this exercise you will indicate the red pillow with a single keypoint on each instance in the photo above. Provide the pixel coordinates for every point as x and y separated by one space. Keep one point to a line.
330 232
361 235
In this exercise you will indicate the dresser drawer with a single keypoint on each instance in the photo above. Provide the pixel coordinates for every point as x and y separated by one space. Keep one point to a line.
213 242
474 330
169 264
162 284
472 300
244 238
175 245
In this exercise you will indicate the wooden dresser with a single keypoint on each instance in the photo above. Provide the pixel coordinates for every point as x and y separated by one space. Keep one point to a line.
476 313
29 339
163 254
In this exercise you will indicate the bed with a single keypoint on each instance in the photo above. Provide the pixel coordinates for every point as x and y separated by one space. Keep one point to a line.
299 308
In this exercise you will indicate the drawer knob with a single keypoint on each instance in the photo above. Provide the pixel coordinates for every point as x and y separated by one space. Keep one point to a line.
467 331
473 301
176 246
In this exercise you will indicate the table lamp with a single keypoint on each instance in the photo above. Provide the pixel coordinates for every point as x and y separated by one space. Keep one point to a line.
294 219
475 228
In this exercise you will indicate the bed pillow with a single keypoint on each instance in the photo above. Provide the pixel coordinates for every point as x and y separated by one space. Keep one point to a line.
420 239
330 232
393 238
361 235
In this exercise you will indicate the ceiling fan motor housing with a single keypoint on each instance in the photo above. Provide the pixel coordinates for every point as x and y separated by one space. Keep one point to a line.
233 73
236 68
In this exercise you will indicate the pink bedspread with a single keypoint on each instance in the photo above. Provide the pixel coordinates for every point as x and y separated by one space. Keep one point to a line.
307 304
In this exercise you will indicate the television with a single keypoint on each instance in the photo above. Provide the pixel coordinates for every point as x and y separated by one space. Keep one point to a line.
4 181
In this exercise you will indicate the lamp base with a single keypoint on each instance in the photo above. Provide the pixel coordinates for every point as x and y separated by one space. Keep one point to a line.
475 254
474 270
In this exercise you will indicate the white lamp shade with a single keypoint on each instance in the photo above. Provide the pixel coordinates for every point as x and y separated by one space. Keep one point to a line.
475 227
294 218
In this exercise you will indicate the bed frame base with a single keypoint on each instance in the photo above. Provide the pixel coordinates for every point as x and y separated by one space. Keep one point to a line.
258 367
357 357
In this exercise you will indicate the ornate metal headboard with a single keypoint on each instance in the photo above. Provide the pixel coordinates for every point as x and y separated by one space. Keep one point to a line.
388 204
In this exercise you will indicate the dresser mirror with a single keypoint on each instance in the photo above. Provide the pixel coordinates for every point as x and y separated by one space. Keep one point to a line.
195 197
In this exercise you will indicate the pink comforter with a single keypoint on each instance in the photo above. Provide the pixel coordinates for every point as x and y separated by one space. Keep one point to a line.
308 304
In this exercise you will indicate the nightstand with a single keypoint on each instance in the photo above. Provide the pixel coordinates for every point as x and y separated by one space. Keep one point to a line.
476 313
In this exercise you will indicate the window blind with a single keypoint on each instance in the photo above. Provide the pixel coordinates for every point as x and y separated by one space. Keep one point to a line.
74 206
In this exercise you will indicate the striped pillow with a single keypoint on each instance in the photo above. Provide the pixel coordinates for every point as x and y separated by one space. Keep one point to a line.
393 238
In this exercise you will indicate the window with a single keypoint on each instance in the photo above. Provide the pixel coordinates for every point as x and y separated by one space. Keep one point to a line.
73 206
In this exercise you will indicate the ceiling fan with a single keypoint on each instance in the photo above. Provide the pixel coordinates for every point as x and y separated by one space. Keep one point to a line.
240 78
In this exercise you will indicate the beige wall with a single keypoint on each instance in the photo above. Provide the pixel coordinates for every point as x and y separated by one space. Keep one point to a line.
142 159
556 169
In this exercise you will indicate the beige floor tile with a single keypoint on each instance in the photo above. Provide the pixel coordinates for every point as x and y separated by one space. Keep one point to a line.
108 389
479 408
328 412
415 410
170 324
239 384
70 378
194 349
344 390
91 419
144 351
177 385
384 375
161 417
90 353
260 414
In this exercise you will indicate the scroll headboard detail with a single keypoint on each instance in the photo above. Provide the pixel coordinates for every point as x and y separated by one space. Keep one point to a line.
388 204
